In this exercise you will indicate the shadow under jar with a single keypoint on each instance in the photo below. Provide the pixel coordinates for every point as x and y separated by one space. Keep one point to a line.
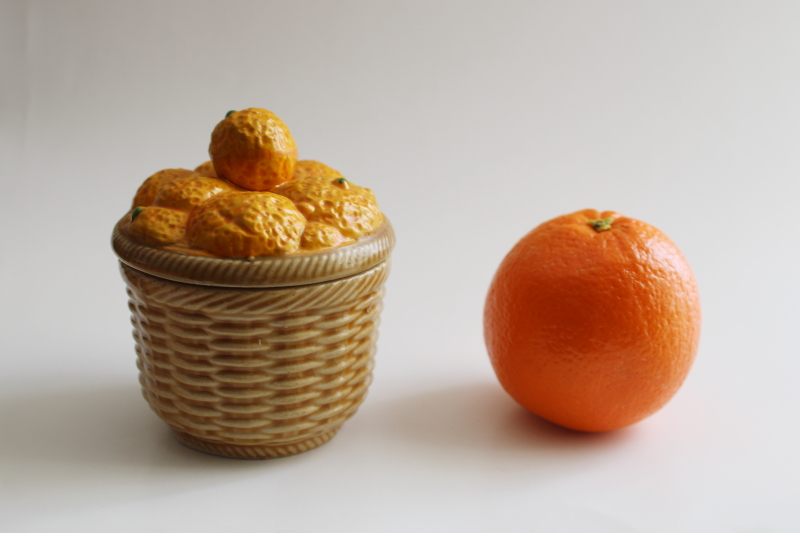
255 358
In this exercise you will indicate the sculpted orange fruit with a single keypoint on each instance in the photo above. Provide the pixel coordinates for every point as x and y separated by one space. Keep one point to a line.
252 199
206 169
189 191
592 320
318 236
158 226
350 209
246 224
148 190
254 149
308 167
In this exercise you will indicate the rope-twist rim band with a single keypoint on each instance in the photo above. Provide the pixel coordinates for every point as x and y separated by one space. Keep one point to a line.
281 271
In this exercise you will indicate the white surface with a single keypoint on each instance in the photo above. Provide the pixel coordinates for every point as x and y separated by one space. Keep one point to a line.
473 122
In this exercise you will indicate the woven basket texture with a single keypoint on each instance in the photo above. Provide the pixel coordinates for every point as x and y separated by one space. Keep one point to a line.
255 373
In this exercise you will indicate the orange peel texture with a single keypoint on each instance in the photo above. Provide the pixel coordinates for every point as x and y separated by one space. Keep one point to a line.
149 189
350 209
592 320
158 226
187 192
206 169
253 198
254 149
318 236
246 224
309 167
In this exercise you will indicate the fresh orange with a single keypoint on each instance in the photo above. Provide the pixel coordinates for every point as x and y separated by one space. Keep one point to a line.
592 320
206 169
158 226
189 191
149 189
350 209
246 224
308 167
254 149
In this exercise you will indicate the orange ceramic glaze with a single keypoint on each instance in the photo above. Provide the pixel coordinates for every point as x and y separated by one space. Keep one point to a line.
592 320
246 224
206 169
158 226
336 202
318 236
227 211
254 149
148 190
308 167
188 192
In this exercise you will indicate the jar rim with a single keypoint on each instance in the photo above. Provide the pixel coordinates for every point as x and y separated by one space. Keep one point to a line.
263 272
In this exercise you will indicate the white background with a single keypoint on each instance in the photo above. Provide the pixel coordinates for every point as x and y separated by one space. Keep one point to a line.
473 122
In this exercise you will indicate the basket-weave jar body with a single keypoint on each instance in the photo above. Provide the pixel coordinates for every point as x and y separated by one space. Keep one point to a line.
255 372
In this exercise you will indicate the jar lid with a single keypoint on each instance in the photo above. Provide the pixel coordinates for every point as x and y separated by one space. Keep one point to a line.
267 271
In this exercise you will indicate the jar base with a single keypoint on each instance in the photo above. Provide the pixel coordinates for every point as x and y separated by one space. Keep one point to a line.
264 451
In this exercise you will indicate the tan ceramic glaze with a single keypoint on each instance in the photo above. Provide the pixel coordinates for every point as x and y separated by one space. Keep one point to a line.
255 358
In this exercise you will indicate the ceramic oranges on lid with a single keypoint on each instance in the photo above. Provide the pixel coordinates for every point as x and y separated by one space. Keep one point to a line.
252 199
253 148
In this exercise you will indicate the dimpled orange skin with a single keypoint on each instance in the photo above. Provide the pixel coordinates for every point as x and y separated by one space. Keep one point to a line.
319 236
149 189
254 149
336 202
206 169
246 224
159 226
593 330
189 191
308 167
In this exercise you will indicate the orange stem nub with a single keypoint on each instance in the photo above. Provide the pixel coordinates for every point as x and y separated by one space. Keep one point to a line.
601 224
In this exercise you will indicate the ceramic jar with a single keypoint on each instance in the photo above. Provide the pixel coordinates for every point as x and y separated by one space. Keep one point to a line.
255 358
